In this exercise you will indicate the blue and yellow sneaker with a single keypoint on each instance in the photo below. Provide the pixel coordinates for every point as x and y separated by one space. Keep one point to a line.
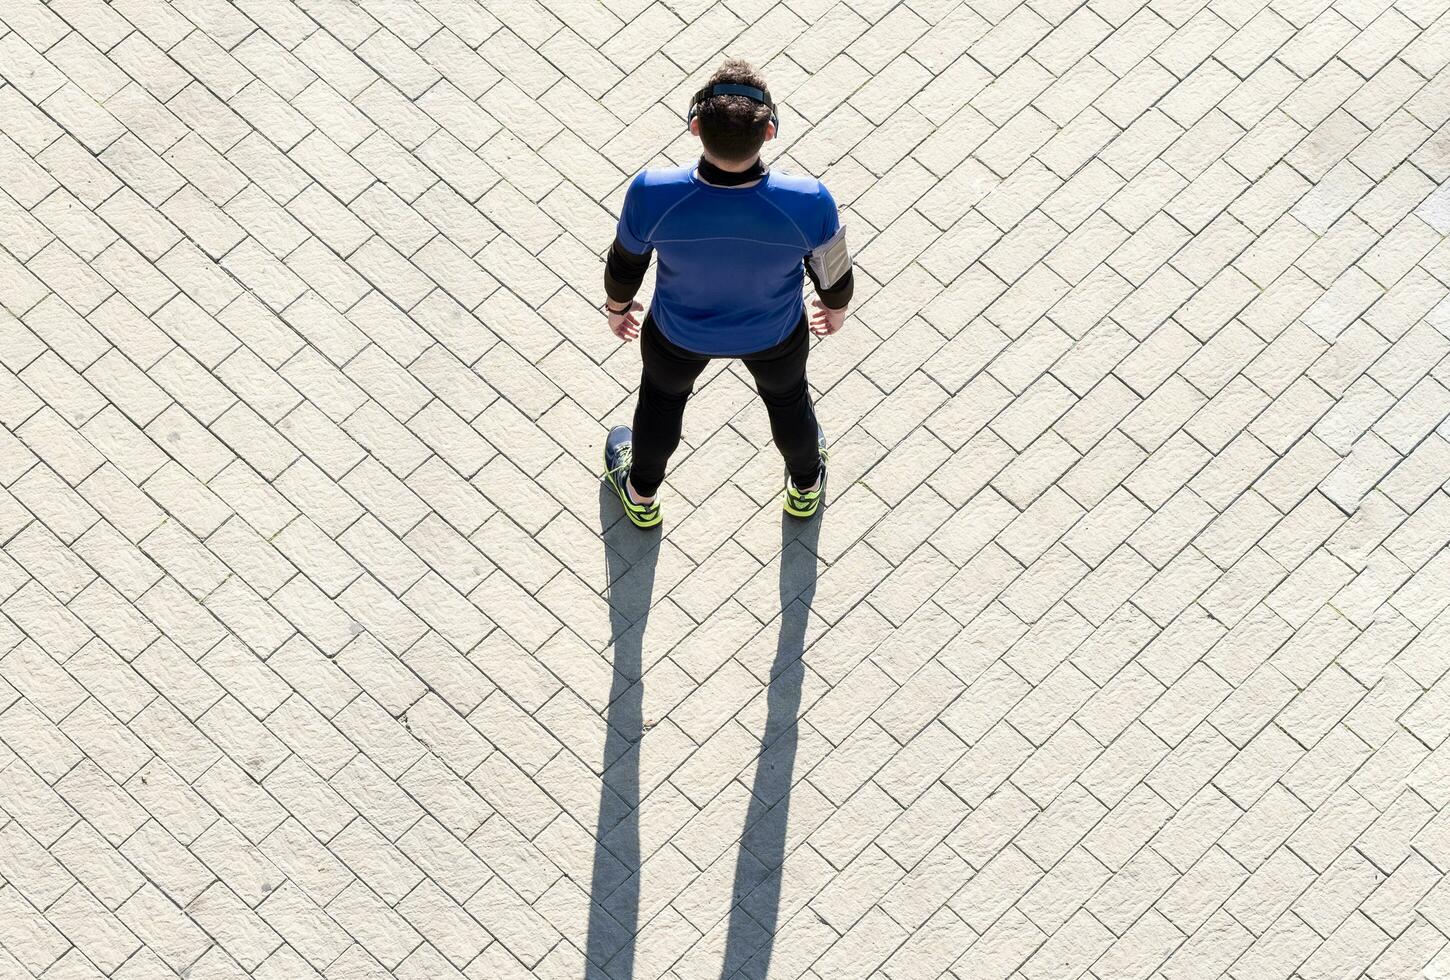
618 455
805 503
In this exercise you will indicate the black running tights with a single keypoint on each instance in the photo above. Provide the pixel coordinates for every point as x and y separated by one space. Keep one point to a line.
669 378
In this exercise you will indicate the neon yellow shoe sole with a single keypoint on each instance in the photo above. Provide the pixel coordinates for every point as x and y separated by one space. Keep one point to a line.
802 504
618 455
805 503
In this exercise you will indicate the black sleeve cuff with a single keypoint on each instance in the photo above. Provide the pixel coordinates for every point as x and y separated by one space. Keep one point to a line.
839 295
624 272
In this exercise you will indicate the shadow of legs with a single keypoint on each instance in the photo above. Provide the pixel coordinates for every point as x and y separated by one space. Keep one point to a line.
750 936
614 886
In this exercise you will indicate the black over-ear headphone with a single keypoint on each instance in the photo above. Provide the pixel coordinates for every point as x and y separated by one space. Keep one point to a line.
725 88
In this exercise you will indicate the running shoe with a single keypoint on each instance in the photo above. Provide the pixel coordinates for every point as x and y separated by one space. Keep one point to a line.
618 455
805 503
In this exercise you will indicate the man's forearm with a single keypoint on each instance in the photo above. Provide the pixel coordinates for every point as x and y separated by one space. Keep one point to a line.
623 272
838 296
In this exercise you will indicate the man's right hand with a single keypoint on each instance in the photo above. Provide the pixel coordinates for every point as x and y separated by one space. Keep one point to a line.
622 320
826 321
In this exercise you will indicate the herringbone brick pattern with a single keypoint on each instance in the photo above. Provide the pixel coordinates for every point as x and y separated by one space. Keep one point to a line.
1122 649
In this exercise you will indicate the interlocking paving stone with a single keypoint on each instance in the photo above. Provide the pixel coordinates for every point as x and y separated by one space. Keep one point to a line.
1122 648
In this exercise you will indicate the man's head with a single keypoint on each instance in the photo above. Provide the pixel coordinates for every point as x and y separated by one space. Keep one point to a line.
733 127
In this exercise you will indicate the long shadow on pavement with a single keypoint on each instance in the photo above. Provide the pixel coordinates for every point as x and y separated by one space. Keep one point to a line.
631 555
750 935
614 888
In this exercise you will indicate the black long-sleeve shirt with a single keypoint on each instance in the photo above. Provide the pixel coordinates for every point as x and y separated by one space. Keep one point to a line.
623 272
839 294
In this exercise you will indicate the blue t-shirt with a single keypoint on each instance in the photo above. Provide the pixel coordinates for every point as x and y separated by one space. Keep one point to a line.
730 258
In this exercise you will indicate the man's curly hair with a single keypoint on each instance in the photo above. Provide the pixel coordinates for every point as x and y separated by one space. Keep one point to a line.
732 127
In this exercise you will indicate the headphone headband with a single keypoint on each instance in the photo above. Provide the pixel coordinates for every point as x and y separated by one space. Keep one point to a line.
730 88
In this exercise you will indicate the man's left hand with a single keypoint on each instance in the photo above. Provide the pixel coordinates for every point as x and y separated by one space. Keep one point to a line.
826 321
622 319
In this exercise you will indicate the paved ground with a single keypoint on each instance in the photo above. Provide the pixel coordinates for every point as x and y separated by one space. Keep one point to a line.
1121 651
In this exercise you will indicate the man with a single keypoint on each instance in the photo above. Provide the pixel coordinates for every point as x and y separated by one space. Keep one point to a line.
732 239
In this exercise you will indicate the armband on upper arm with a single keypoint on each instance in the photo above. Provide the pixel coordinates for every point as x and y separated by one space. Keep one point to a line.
831 259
